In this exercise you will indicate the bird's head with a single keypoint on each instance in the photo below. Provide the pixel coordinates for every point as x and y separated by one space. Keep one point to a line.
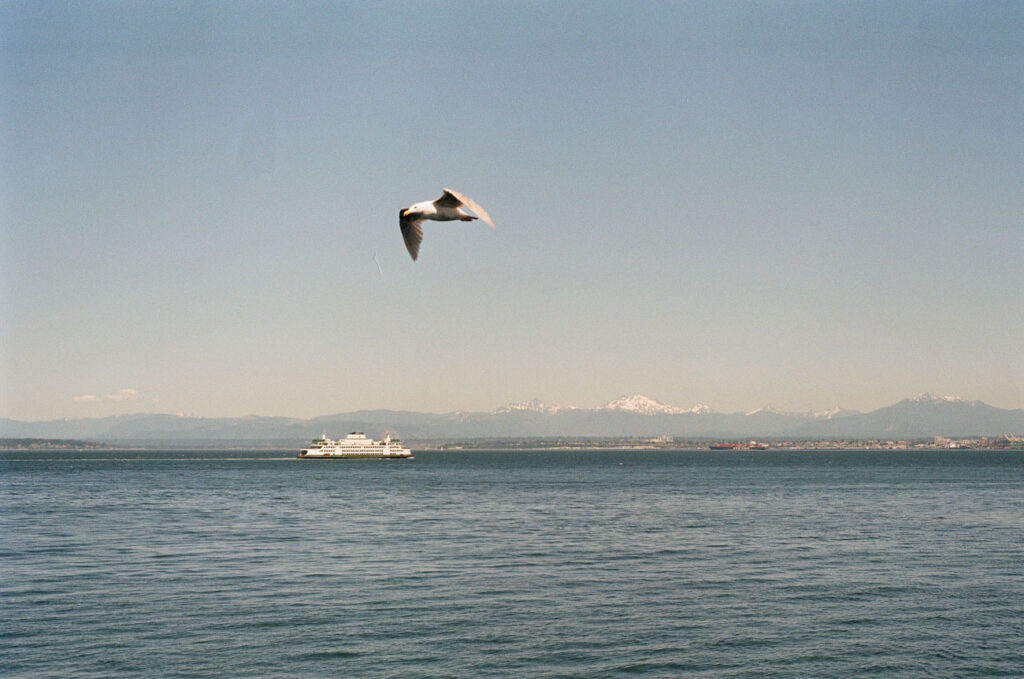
417 209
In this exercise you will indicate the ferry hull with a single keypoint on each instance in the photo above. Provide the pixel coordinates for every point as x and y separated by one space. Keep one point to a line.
355 456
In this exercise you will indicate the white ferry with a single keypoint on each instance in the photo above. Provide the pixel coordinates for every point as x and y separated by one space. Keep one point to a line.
356 446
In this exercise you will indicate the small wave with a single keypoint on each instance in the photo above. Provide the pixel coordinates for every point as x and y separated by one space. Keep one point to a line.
328 655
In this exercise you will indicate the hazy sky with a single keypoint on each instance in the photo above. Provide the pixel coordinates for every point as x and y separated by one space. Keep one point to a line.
807 204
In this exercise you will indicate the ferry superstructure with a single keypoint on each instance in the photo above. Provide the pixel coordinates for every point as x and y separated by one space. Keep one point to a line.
356 446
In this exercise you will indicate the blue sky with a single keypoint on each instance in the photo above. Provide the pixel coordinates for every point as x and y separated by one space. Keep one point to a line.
807 204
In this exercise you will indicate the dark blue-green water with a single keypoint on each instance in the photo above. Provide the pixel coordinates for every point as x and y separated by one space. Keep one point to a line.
513 564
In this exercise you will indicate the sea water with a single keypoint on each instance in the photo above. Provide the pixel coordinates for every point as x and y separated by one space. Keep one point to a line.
512 564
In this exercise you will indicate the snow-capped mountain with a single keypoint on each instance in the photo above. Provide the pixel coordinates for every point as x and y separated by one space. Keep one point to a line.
935 400
534 405
832 413
767 410
646 406
637 403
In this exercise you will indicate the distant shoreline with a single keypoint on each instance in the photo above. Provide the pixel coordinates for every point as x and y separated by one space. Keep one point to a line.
535 444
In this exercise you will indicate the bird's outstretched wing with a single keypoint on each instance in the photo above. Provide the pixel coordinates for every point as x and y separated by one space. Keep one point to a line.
454 199
449 199
412 233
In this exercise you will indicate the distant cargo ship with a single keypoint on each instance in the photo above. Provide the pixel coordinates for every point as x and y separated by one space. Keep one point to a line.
356 446
722 446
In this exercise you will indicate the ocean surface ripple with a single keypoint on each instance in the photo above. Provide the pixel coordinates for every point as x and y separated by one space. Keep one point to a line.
512 564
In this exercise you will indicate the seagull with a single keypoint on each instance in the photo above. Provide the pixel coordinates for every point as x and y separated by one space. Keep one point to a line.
445 209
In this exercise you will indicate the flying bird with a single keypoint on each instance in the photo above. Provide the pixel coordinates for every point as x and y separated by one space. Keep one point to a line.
445 209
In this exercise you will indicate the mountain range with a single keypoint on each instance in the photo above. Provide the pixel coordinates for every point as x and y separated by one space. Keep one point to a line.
924 416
